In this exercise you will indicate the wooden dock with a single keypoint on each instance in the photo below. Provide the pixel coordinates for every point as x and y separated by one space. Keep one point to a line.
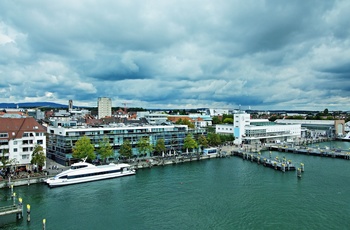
10 213
321 152
277 164
11 209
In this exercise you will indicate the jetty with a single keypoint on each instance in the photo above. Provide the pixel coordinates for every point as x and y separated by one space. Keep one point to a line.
10 213
313 151
278 164
173 160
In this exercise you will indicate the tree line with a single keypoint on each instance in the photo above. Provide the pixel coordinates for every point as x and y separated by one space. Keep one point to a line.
84 148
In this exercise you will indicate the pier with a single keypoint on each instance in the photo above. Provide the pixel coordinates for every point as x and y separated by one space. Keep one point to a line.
173 160
277 164
10 213
312 151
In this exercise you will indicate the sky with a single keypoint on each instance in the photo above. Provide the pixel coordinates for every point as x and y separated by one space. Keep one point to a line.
256 54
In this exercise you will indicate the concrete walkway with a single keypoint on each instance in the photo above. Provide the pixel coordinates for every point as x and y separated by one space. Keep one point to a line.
53 167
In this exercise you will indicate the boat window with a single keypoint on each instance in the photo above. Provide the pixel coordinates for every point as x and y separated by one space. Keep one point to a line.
63 177
78 167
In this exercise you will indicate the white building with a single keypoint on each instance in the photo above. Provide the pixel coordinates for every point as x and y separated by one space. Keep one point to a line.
316 128
246 130
104 105
18 137
217 112
224 129
153 118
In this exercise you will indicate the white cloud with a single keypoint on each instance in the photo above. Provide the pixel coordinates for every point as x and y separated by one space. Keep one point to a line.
264 54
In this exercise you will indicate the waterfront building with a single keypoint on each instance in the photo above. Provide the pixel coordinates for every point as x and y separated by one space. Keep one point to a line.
18 137
61 140
104 105
318 128
258 131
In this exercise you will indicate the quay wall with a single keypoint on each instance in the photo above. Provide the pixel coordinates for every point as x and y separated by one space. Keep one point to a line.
21 182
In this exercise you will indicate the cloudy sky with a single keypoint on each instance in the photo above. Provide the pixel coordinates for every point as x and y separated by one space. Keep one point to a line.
177 54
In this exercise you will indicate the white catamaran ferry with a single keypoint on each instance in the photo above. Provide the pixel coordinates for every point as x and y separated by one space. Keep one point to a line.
84 172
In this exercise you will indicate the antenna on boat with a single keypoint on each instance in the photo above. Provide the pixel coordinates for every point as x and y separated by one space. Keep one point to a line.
84 159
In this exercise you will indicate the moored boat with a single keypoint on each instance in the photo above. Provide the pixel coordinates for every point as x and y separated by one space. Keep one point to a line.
85 172
346 138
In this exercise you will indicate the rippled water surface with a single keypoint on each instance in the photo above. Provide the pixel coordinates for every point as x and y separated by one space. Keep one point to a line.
227 193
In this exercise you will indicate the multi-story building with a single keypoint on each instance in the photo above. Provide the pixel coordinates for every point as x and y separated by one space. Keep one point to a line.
251 131
318 128
18 137
104 105
153 118
63 139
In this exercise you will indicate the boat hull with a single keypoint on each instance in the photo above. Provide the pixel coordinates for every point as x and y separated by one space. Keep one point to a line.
62 182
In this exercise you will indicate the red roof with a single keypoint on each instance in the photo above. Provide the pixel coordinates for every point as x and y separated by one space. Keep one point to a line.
15 127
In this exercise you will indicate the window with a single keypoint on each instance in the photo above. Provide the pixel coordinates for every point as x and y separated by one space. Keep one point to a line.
3 135
15 150
15 142
39 142
25 156
4 142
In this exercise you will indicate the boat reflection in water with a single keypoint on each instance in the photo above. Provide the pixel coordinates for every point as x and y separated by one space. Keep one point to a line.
85 172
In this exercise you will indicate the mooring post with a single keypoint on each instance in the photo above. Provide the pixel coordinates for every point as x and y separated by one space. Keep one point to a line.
299 173
44 224
14 198
28 213
20 205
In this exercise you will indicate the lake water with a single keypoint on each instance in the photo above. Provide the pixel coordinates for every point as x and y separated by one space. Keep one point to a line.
226 193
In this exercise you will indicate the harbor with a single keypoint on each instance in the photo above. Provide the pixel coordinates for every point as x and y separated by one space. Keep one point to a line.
313 151
232 190
248 152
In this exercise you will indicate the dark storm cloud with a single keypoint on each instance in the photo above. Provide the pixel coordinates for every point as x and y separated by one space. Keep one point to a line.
266 54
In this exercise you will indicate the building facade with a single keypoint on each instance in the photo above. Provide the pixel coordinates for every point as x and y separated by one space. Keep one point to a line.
63 139
318 128
258 131
18 138
104 105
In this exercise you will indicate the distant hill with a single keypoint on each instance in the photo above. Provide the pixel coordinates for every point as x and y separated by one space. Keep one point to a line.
31 105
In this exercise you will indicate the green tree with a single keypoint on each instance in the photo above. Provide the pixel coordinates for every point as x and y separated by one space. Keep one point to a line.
185 122
190 143
273 118
325 112
143 146
5 161
203 142
105 149
126 149
211 129
216 120
228 120
38 157
160 146
83 148
214 139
